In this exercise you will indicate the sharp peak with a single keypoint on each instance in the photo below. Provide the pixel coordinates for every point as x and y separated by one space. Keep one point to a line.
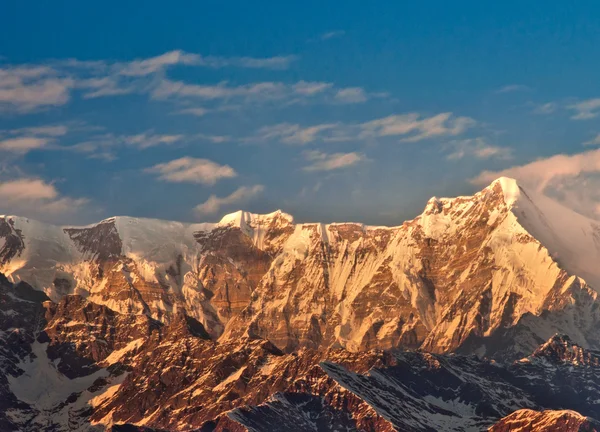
505 181
509 188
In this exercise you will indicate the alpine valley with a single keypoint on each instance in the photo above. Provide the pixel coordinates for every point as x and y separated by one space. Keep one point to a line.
480 314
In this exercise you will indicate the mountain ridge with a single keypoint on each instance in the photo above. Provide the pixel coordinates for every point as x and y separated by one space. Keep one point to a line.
464 269
171 326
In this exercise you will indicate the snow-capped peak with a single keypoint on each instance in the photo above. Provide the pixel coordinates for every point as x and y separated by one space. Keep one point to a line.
510 189
255 225
244 219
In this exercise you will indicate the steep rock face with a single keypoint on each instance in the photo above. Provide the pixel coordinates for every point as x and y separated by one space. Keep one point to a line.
11 241
463 271
21 318
83 367
470 274
526 420
83 334
186 382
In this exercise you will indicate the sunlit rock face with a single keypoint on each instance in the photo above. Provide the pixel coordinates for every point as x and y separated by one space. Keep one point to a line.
496 273
546 421
256 321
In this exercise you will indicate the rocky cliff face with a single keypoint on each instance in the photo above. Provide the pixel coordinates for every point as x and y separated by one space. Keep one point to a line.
171 326
469 273
85 367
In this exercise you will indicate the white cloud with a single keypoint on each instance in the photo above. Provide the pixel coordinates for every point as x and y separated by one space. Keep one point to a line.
35 198
192 170
216 139
541 172
106 86
262 92
27 190
311 87
213 204
412 126
477 148
329 162
333 34
288 133
351 95
198 112
573 180
143 67
23 140
547 108
593 141
51 131
168 88
278 62
586 109
513 88
26 89
444 124
22 145
147 139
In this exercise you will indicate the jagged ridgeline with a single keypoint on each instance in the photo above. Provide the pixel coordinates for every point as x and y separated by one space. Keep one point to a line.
172 326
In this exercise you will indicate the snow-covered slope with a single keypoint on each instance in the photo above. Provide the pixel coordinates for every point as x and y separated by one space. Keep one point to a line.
573 240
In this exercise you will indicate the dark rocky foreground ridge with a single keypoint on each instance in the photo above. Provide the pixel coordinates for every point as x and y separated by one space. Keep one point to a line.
130 369
480 313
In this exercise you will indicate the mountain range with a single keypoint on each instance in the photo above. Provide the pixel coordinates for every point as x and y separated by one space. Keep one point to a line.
482 312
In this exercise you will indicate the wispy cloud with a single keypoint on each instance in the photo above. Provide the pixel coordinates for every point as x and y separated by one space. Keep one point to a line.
546 108
143 67
411 127
311 88
278 62
593 141
289 133
106 86
192 170
332 34
147 66
23 140
197 111
511 88
351 95
26 88
328 162
213 204
477 148
148 139
585 110
541 172
417 128
216 139
53 131
23 145
104 146
262 92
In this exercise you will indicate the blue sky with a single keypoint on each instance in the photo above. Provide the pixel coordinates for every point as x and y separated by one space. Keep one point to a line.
338 111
